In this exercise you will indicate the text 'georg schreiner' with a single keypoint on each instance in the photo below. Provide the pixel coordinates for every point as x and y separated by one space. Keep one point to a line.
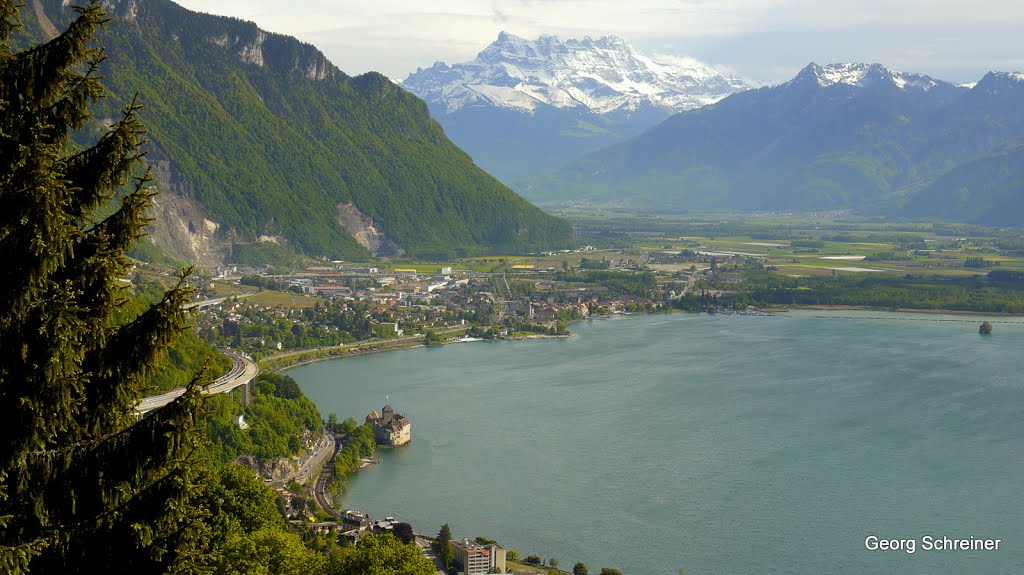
929 543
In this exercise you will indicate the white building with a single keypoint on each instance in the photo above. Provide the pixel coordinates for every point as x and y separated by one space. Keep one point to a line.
477 559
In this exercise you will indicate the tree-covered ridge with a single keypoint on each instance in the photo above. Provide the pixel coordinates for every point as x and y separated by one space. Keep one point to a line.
948 151
271 138
248 536
248 533
985 190
278 416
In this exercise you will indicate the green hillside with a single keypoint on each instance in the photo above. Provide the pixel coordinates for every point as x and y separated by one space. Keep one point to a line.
986 190
271 137
945 151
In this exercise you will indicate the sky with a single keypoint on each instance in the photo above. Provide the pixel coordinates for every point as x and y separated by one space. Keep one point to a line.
764 40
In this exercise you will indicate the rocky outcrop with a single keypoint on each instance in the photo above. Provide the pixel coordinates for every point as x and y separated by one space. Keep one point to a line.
278 469
361 227
179 226
47 26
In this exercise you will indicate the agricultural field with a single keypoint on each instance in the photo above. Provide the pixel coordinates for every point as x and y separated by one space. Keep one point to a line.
225 289
812 245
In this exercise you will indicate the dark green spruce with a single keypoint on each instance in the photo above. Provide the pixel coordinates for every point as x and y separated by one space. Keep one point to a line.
85 486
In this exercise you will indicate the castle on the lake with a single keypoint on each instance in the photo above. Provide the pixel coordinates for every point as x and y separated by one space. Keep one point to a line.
390 429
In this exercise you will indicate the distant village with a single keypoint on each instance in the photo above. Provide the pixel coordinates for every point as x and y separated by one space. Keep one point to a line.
346 306
367 303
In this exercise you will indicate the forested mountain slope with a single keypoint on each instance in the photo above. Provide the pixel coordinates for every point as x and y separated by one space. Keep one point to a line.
258 137
843 136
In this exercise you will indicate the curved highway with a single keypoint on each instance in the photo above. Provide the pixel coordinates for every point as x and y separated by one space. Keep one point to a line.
203 304
243 370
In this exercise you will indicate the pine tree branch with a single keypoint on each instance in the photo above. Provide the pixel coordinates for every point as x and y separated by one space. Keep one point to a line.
87 481
10 20
90 173
128 354
84 482
20 74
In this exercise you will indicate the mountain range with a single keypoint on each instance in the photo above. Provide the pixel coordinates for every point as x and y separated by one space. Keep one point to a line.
857 136
524 106
261 145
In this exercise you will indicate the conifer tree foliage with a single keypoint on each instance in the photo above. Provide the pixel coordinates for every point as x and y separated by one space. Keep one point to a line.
443 546
85 485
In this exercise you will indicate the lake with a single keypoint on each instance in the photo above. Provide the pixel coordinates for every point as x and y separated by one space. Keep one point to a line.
718 444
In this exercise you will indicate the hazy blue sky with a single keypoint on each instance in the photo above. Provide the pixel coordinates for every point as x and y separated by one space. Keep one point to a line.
766 40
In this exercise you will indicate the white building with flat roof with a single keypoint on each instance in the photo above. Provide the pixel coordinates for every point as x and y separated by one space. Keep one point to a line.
476 559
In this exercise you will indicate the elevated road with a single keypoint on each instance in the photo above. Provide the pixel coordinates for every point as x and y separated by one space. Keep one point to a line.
243 371
203 304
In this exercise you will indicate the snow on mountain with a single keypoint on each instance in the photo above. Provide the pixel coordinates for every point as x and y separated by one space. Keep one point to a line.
994 83
864 75
602 75
1006 77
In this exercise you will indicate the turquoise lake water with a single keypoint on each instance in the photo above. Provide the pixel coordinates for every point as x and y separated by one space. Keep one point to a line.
719 444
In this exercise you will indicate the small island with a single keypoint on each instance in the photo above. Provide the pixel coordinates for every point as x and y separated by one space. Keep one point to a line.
986 328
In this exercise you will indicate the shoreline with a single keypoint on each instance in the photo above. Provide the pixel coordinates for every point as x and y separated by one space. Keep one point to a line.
905 310
345 353
771 311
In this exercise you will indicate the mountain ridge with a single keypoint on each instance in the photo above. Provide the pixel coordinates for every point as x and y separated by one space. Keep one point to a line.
602 75
857 136
523 106
268 140
862 75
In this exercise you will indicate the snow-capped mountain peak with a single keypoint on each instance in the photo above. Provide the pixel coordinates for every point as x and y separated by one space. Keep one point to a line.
601 75
1009 76
994 83
863 75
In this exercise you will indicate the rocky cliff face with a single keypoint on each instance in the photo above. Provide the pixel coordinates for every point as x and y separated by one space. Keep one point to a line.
278 469
361 227
179 224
